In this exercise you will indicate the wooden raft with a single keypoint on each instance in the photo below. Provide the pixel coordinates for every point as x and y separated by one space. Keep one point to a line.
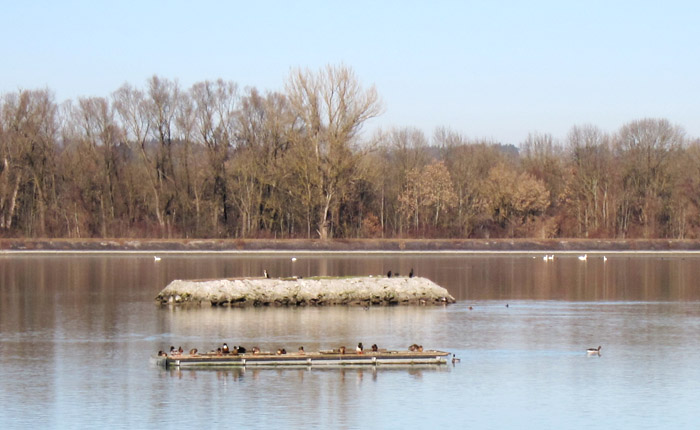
321 358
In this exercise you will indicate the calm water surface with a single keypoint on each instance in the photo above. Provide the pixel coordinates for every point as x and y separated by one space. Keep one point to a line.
77 333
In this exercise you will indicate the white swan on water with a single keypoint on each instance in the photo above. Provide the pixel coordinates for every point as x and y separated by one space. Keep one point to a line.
583 257
156 258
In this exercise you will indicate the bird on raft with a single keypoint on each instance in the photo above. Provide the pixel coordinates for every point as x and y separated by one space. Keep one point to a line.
360 348
593 351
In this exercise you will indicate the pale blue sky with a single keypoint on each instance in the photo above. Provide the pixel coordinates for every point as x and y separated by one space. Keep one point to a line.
493 69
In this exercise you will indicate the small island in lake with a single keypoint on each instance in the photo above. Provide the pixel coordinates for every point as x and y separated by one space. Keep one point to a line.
315 291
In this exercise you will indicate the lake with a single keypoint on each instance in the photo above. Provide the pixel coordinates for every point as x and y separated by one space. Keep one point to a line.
77 333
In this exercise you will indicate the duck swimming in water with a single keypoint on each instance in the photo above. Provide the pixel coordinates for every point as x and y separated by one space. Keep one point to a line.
593 351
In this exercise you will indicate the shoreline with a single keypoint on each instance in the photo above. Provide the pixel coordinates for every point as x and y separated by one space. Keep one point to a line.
374 246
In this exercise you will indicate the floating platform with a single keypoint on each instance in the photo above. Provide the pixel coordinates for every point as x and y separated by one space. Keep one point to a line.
318 291
321 358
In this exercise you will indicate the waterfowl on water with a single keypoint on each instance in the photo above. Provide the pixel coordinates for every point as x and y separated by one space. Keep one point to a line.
455 360
583 257
156 258
593 351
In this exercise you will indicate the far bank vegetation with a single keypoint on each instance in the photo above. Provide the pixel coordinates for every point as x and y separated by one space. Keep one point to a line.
219 161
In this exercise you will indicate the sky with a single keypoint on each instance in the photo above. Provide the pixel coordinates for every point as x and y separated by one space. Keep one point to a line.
487 69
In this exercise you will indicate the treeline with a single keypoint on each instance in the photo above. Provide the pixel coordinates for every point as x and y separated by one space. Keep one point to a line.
215 161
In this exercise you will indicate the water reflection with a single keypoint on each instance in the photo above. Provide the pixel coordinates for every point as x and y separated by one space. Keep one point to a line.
342 374
41 279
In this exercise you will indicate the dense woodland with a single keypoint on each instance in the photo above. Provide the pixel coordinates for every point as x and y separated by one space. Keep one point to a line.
216 160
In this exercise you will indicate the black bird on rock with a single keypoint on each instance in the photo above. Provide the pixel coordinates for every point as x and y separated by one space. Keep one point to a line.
388 274
410 274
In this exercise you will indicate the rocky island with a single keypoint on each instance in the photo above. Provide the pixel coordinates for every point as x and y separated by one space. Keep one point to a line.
316 291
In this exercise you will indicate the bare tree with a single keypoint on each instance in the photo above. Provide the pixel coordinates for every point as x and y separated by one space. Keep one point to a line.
646 149
216 111
403 150
428 191
469 163
332 106
29 152
591 179
264 125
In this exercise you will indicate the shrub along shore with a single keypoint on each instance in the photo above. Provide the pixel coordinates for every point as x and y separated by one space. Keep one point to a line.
349 245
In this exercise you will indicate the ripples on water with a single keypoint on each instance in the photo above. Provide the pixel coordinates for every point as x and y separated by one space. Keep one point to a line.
77 334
